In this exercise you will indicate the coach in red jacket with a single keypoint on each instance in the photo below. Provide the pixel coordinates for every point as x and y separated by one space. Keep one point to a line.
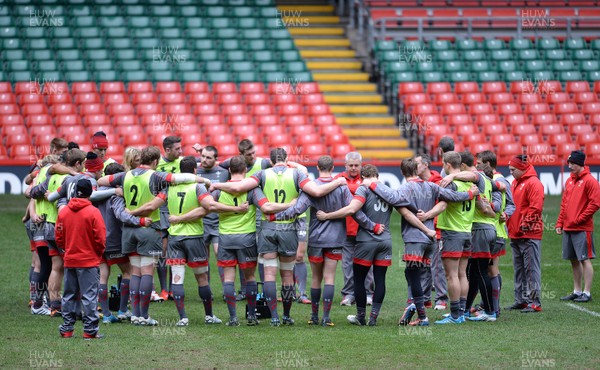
581 199
525 229
81 232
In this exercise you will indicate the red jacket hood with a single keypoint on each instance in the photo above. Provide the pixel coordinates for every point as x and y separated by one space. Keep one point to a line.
77 204
435 177
530 172
576 177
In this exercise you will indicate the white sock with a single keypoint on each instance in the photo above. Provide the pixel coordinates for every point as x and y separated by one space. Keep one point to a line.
578 292
587 293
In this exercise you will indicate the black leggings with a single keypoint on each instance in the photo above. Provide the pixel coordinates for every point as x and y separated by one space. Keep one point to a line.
41 285
360 275
477 273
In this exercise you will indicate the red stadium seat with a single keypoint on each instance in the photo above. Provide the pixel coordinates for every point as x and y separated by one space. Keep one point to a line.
70 130
522 87
29 87
210 120
116 98
21 151
523 129
240 120
307 88
339 151
77 138
415 99
190 139
112 87
486 119
195 87
473 138
481 108
233 109
83 87
299 130
31 99
96 119
251 88
227 150
59 99
6 87
267 120
296 120
118 109
205 109
278 140
480 147
7 130
86 98
587 137
314 151
18 139
93 108
537 108
559 138
10 119
67 119
135 140
432 120
201 98
136 87
549 87
459 119
439 131
330 130
466 87
543 119
168 87
501 98
177 109
479 16
8 98
308 99
572 119
566 107
38 120
528 98
473 98
43 140
32 109
438 87
445 98
290 109
507 150
244 131
256 98
107 128
318 109
307 139
585 97
463 130
272 130
229 98
172 98
593 150
493 87
577 86
336 139
425 109
580 129
590 108
594 119
59 109
285 99
528 139
223 87
148 108
494 129
509 108
556 98
125 120
262 110
324 120
144 97
515 119
44 130
410 88
564 150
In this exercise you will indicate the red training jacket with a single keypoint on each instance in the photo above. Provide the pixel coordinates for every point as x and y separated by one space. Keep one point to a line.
81 232
353 184
581 199
528 196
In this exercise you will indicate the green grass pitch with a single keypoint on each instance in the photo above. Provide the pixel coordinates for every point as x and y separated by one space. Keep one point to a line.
561 336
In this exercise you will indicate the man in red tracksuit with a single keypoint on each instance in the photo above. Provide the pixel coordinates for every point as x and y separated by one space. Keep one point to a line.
353 180
525 228
581 199
81 232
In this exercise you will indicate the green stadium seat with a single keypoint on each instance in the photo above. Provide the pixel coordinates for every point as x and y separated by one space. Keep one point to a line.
110 75
268 67
87 32
60 32
570 76
214 65
103 65
595 44
55 75
394 67
25 10
426 67
520 44
79 11
270 12
189 11
134 10
274 77
131 65
99 54
219 77
162 11
563 65
256 45
94 43
242 66
121 43
446 55
527 54
205 55
187 76
501 55
271 23
513 76
8 32
293 67
227 33
204 44
73 66
234 55
140 22
117 32
284 45
439 45
403 77
289 56
247 76
11 44
574 44
6 21
467 44
432 77
452 66
248 23
412 45
589 65
39 44
263 56
542 75
134 76
243 12
170 33
488 76
556 54
108 22
198 33
278 34
480 66
162 75
34 32
593 76
216 11
386 45
41 55
583 54
69 54
534 65
126 54
301 76
47 65
142 33
17 54
78 76
20 76
166 22
548 43
188 65
459 76
18 65
232 44
493 44
507 66
108 10
264 2
389 56
472 55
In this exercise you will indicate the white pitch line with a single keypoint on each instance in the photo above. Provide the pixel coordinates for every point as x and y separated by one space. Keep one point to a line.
593 313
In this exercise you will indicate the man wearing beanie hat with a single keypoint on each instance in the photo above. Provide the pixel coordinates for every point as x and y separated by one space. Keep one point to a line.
525 229
99 147
81 232
581 199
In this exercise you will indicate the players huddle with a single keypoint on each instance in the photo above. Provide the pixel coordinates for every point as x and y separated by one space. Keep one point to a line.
88 212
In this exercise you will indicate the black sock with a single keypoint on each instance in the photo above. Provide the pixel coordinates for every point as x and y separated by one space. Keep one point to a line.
288 293
455 309
206 296
328 294
270 293
315 297
360 293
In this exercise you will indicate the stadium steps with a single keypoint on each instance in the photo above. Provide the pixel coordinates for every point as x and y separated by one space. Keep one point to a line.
357 105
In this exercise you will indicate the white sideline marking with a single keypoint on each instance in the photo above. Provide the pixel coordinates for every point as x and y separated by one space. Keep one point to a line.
593 313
